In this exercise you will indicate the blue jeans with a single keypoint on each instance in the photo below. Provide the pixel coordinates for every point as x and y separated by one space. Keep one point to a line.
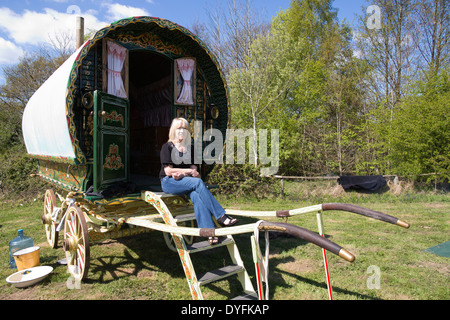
204 202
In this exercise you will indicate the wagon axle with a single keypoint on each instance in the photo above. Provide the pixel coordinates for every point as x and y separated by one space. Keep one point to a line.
46 219
70 244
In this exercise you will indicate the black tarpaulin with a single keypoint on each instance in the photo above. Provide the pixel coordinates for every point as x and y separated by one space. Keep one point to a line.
370 183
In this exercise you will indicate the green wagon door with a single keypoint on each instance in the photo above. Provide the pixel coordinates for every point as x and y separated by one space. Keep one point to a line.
111 140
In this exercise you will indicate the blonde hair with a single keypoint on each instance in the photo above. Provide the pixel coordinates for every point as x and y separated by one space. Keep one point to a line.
174 125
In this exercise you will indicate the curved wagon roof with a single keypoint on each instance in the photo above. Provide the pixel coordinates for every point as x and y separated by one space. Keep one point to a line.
48 124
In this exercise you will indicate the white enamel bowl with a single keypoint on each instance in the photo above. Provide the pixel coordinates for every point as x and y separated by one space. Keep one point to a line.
28 277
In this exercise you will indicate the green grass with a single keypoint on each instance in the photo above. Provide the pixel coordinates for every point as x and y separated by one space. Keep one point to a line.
142 267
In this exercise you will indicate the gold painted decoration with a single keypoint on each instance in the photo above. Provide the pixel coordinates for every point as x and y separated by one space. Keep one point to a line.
147 40
113 161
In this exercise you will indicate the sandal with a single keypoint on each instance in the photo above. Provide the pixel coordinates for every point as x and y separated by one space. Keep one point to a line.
226 221
213 240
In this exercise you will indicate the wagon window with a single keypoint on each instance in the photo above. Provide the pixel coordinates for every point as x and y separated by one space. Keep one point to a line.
116 58
185 81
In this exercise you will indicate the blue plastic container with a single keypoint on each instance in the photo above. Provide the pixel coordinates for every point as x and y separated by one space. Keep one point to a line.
19 243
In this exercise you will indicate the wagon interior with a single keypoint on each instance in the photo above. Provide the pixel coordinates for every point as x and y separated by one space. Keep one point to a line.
150 94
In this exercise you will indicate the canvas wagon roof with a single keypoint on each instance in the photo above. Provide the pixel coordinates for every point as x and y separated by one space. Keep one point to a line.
48 124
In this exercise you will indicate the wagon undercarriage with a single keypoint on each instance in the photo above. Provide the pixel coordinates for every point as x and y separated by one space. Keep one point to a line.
84 221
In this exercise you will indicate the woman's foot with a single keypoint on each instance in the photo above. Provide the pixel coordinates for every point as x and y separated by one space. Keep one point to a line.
226 221
213 240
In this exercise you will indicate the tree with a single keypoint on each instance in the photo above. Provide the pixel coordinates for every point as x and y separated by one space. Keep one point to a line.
391 50
410 46
233 26
420 130
327 95
302 79
433 42
267 74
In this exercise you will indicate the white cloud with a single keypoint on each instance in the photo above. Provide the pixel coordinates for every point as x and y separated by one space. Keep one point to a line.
19 30
31 27
118 11
9 52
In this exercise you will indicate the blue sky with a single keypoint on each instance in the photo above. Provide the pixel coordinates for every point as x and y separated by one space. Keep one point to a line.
27 23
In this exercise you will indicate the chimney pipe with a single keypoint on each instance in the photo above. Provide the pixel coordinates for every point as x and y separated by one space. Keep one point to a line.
80 31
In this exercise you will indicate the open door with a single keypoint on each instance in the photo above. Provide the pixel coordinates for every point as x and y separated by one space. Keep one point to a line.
111 140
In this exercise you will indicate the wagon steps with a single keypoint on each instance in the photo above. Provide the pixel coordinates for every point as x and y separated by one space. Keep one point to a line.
177 212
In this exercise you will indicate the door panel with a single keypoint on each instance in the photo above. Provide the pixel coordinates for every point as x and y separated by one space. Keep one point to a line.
111 140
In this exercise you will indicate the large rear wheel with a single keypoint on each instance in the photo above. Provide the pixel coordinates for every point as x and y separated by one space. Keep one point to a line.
76 243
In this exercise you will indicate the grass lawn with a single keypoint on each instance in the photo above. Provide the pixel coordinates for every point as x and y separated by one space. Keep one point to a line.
142 267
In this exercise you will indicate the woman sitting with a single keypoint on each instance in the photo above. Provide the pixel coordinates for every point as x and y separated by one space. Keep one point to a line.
179 176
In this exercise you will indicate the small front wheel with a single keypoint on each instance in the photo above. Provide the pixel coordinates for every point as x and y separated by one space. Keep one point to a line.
47 219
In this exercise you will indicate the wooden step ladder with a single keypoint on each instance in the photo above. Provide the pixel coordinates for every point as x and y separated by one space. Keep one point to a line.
173 210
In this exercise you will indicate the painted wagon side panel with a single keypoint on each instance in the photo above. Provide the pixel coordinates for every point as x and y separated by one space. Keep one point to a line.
63 175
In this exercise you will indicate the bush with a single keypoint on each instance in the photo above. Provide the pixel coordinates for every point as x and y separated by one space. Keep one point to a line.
242 181
16 169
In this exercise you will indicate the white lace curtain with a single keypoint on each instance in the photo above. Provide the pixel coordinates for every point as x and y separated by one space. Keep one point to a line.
186 68
116 59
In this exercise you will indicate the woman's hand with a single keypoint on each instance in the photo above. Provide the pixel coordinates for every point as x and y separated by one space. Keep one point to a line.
178 175
194 173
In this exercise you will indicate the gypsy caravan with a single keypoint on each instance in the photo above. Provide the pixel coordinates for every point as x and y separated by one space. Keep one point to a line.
97 125
101 118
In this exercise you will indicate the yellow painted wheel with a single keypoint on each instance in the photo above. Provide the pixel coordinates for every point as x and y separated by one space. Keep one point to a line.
76 243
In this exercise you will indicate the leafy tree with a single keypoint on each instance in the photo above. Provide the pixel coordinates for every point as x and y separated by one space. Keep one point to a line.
412 40
327 96
420 130
267 76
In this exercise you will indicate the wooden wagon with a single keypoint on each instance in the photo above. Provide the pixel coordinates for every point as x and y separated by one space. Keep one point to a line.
97 125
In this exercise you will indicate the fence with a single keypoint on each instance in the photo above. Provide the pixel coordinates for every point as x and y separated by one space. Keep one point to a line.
395 179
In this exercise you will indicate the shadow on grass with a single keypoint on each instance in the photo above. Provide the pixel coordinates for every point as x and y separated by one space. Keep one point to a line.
147 254
321 285
137 255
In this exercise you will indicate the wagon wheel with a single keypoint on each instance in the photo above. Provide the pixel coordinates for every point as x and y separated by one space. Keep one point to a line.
49 224
76 243
188 239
